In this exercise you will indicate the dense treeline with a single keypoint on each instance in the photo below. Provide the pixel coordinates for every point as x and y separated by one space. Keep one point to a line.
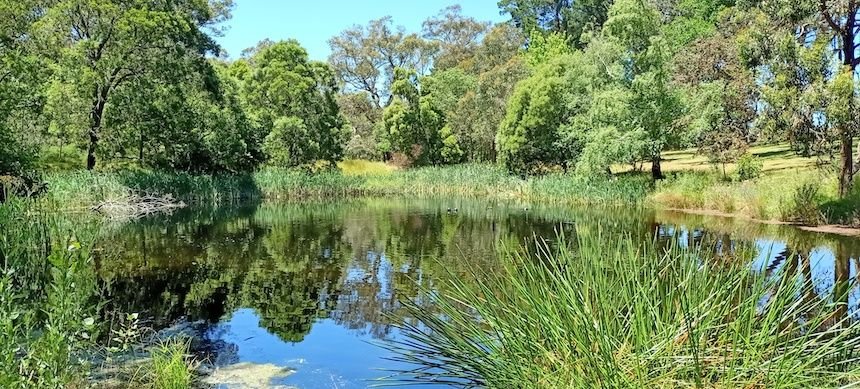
578 86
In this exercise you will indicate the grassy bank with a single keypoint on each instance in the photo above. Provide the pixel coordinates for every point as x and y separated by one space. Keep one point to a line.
84 189
788 188
609 312
804 196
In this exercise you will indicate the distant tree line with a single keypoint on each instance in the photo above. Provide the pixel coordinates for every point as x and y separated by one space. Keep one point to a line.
578 86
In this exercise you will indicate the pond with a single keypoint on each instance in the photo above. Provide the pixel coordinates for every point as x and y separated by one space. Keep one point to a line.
312 288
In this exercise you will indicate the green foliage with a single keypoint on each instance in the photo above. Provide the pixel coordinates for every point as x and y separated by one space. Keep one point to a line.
46 307
361 116
803 206
749 167
612 102
102 46
365 57
573 19
529 137
170 366
414 123
457 37
293 100
553 321
545 47
290 143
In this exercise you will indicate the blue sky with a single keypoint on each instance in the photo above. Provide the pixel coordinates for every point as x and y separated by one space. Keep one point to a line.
313 22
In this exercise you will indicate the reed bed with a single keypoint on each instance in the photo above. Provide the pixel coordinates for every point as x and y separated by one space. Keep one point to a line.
84 189
614 313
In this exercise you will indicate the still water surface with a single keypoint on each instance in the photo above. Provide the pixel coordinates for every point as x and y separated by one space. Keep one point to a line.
313 287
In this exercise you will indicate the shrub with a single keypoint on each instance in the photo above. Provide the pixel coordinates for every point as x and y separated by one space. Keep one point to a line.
803 205
749 167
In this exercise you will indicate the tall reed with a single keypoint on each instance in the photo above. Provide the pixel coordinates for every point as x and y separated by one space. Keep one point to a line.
620 314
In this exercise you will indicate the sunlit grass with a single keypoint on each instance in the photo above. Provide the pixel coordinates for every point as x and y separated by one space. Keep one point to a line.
363 166
171 367
774 196
775 157
85 189
615 313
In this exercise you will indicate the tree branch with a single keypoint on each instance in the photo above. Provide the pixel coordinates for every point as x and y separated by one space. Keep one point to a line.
825 12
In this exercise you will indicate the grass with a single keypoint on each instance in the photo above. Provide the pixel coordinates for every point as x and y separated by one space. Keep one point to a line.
806 197
171 367
86 189
775 157
364 167
52 332
692 184
613 313
47 282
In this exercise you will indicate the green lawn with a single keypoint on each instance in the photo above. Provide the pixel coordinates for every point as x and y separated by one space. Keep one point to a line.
775 157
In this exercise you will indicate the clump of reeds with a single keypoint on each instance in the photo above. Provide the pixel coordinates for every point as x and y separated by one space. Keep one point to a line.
171 368
615 313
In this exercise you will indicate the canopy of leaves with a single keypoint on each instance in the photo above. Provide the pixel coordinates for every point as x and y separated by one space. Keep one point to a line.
293 100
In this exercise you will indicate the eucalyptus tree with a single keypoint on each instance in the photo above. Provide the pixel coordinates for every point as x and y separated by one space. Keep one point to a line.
100 45
806 56
364 58
457 37
570 18
843 26
293 100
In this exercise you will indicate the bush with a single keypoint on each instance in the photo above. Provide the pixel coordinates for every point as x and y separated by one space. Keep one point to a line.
749 167
803 205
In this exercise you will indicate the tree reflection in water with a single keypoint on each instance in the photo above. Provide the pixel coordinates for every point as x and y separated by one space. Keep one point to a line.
354 261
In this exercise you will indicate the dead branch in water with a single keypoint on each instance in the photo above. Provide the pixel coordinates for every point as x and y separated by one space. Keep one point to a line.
136 206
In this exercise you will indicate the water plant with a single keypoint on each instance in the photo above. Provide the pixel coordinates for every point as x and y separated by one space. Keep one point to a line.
614 313
171 366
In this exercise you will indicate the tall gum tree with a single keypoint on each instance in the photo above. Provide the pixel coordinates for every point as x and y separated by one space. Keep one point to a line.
101 45
841 19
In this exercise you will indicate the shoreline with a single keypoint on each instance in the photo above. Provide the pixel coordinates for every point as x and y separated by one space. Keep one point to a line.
835 229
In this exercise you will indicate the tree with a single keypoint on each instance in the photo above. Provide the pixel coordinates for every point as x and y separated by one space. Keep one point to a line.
544 47
475 118
721 92
195 122
478 114
457 37
361 116
101 45
567 17
529 139
636 25
293 100
364 58
800 49
414 123
21 91
843 25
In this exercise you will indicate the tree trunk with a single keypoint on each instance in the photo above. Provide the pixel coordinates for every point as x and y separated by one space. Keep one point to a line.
846 154
656 169
846 171
99 99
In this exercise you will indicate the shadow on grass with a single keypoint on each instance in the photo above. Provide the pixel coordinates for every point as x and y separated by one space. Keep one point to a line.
844 211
